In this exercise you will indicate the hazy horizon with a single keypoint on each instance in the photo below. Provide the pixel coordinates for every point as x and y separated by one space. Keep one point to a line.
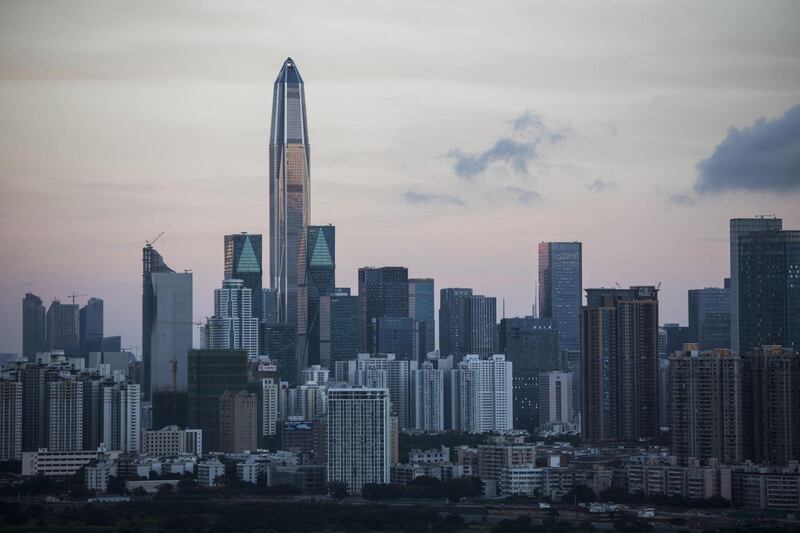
447 139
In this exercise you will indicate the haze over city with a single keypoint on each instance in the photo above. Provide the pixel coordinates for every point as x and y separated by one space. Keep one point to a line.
450 141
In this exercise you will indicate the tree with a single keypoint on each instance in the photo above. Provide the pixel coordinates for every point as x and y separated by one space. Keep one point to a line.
165 488
579 494
338 490
116 485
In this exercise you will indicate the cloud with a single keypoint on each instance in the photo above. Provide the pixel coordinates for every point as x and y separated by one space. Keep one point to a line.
764 157
518 150
522 196
599 186
680 198
413 197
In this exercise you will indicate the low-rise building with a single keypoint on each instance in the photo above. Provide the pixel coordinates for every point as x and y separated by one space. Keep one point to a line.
504 451
49 463
208 472
769 488
96 476
172 440
430 457
693 482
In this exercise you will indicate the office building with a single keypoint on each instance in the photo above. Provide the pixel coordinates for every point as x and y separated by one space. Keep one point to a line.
211 373
560 289
111 344
705 405
122 417
766 488
619 366
91 327
289 186
278 341
63 328
34 326
421 309
338 328
243 262
710 317
765 294
171 441
238 422
233 326
10 420
358 437
166 324
427 398
531 344
269 305
316 278
467 323
555 399
382 292
394 335
771 405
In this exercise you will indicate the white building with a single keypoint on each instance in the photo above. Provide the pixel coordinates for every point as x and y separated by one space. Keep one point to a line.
358 436
481 394
209 471
269 406
60 463
65 415
306 402
97 476
233 326
382 371
121 417
555 398
316 373
427 398
10 420
172 441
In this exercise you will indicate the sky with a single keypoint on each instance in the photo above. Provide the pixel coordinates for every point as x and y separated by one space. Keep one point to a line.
448 137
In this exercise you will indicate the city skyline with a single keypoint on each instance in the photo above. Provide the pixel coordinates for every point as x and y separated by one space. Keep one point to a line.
559 189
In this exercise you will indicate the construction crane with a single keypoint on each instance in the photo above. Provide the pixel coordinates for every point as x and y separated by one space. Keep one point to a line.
151 243
73 296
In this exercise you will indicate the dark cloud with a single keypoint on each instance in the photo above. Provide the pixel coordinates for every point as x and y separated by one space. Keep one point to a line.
599 186
413 197
522 196
529 132
763 157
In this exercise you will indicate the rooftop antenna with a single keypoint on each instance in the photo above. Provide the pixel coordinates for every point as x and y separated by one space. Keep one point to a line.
504 307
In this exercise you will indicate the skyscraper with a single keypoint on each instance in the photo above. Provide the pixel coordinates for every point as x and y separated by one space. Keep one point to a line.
289 186
317 277
91 326
710 317
765 292
394 335
243 261
382 292
420 308
619 366
486 385
10 420
560 284
338 329
705 405
238 422
34 326
63 328
358 436
169 317
427 398
121 417
555 398
233 326
467 323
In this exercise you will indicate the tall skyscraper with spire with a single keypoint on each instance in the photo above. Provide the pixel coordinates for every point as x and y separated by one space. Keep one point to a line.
289 186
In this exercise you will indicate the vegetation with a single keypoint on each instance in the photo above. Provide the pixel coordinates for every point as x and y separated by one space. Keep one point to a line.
621 496
425 488
427 441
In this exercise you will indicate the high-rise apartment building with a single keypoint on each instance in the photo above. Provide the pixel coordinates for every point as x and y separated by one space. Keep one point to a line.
467 323
91 327
243 261
560 289
358 436
555 398
64 415
710 317
122 417
619 366
166 324
382 292
705 405
316 278
63 328
482 394
211 373
765 292
289 186
233 326
771 405
34 326
269 406
532 345
238 422
421 309
427 398
338 329
10 420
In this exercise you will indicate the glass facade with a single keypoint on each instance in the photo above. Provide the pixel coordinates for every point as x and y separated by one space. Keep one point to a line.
420 308
382 292
33 326
289 187
560 289
467 323
710 317
394 335
243 261
317 262
338 329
